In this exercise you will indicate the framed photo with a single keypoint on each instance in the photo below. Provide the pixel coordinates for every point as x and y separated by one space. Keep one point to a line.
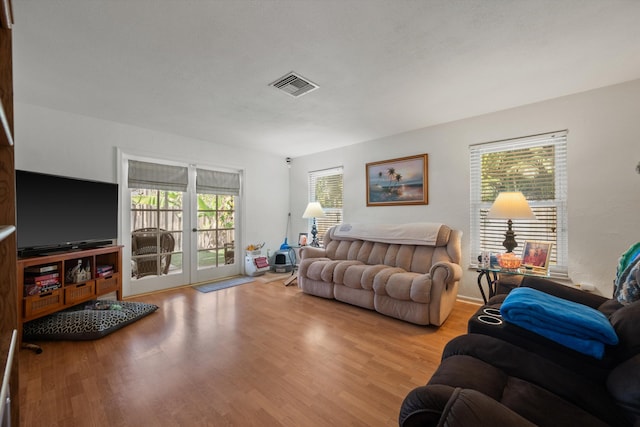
303 239
536 255
400 181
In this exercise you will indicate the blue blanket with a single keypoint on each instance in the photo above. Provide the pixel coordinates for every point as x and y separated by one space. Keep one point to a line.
573 325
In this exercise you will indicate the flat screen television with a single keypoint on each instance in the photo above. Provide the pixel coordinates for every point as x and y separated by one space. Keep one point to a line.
57 213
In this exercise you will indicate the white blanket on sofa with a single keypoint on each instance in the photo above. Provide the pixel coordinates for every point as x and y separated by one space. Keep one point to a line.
418 233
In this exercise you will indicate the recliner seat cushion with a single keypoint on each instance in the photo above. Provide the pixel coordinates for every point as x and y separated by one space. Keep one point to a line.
357 275
581 396
403 285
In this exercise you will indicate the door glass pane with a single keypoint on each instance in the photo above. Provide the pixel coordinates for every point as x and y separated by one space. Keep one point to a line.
156 232
216 230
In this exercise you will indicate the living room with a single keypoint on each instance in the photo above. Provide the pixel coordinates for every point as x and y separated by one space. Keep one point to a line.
595 100
602 142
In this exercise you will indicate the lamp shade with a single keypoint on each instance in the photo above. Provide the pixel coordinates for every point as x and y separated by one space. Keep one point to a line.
511 205
314 210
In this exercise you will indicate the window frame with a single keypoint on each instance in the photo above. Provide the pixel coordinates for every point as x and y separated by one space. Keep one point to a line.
332 213
477 206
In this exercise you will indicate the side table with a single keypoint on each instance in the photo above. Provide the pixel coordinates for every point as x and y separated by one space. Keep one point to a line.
491 276
294 271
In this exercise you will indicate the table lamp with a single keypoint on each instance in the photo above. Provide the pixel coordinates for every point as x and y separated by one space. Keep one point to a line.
314 210
510 205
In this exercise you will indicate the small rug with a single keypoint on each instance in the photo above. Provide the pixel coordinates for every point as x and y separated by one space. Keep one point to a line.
216 286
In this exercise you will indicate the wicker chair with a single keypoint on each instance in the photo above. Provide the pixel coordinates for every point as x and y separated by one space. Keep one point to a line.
229 253
144 241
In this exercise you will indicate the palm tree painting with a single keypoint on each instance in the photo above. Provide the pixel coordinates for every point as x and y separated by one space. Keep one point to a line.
400 181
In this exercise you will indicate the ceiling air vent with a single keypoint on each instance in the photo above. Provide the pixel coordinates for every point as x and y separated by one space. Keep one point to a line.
294 85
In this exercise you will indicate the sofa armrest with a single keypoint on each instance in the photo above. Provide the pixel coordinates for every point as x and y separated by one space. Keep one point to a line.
561 291
448 271
312 252
436 405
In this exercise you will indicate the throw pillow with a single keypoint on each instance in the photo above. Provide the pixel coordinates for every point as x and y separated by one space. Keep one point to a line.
626 288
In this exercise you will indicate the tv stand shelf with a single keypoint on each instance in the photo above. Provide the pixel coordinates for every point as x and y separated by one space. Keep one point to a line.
50 283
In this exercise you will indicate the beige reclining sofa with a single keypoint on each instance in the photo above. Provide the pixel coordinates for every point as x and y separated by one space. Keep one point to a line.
407 271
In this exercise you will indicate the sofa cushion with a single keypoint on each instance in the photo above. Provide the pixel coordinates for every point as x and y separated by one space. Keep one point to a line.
445 405
472 408
321 269
361 276
626 323
403 285
587 366
570 396
526 398
423 406
624 385
344 275
609 307
470 372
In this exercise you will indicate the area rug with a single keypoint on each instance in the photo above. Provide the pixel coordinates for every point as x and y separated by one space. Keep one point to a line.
216 286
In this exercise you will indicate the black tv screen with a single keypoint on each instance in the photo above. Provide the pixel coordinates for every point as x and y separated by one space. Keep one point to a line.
56 212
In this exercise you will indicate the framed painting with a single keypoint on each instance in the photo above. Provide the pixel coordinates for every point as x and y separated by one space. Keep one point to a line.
401 181
303 239
535 255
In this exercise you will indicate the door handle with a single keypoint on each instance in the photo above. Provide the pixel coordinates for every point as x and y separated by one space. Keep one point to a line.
194 230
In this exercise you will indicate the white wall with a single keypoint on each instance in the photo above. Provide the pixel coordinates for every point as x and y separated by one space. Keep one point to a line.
603 150
604 188
61 143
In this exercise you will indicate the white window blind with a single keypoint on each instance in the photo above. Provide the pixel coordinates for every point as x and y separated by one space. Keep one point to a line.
157 176
325 186
536 166
217 182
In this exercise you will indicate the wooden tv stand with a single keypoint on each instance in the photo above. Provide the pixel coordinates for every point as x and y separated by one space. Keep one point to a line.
70 292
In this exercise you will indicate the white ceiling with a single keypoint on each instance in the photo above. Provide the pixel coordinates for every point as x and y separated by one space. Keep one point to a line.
202 68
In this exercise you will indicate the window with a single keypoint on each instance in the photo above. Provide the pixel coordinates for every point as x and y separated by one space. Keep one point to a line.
536 166
325 186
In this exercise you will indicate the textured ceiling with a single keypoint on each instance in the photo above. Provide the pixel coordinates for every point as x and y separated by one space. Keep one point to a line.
202 68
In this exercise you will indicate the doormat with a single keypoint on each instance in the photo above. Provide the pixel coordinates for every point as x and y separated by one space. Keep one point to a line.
216 286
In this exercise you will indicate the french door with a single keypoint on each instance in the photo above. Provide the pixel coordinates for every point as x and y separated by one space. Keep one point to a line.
180 233
214 238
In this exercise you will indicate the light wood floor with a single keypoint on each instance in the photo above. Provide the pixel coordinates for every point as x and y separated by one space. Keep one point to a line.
259 354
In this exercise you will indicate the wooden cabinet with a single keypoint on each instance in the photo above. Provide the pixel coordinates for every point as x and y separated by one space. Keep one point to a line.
54 282
8 296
